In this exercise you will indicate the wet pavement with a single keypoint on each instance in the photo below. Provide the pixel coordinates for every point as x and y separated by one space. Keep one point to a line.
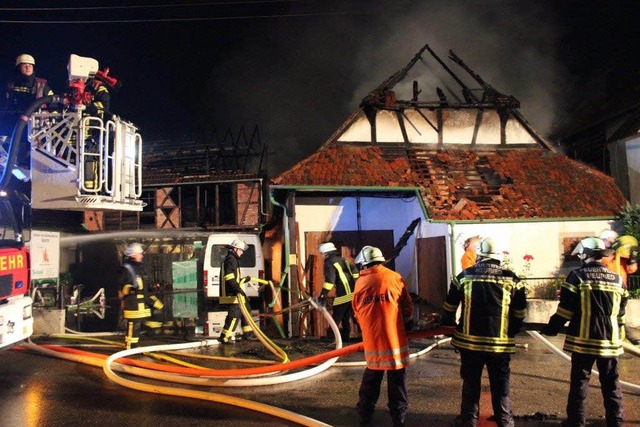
44 391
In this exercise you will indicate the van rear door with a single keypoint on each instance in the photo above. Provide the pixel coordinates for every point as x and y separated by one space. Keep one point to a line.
251 264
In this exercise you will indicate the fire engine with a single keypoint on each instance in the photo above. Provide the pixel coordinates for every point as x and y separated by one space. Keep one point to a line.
60 157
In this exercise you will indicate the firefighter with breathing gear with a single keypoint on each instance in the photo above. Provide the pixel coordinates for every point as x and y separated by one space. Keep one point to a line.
341 275
384 310
593 301
136 298
231 282
493 309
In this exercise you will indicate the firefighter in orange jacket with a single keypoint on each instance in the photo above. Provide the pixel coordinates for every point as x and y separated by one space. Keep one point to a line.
137 302
469 256
384 310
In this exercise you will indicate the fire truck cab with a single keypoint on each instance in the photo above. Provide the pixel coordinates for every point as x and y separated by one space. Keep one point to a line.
16 320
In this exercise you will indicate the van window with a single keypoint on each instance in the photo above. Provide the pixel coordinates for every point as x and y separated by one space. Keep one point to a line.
218 252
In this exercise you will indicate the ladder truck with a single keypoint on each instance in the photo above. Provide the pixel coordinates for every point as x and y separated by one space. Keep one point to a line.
74 161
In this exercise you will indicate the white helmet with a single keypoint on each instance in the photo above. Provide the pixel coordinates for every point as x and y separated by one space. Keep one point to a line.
327 247
487 249
132 249
369 254
588 246
25 59
237 243
608 237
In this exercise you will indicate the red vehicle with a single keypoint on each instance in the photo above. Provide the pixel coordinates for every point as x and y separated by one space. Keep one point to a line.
16 320
68 160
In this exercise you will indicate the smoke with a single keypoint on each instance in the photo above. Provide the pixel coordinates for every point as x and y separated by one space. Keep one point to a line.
302 80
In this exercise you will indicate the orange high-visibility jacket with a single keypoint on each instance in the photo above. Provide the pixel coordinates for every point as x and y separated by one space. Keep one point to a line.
382 304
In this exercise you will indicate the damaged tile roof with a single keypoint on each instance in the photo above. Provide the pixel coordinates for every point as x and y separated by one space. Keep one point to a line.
464 184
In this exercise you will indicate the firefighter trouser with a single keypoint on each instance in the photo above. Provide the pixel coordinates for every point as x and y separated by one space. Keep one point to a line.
234 315
132 334
342 314
581 365
370 392
471 366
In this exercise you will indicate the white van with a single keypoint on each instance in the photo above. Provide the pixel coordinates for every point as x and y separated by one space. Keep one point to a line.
251 263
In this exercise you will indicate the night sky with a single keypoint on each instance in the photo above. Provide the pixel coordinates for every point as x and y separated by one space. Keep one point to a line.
296 69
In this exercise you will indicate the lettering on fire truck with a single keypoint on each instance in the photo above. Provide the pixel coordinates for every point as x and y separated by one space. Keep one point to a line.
11 262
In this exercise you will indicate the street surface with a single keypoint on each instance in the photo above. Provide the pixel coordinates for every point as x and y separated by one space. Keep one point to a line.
48 392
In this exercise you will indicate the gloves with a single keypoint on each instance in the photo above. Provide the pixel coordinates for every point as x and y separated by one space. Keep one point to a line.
322 300
246 279
514 328
448 319
548 331
552 328
408 325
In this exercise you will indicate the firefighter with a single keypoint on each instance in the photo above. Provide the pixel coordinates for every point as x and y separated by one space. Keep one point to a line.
231 286
137 301
593 301
493 309
20 93
469 256
621 257
25 86
384 310
340 274
101 98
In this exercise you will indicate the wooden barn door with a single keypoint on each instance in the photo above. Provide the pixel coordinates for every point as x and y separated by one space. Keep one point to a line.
433 282
349 244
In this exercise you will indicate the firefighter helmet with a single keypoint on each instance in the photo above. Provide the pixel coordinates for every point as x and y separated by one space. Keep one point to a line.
25 59
487 249
238 244
608 237
132 249
368 255
625 246
588 247
327 247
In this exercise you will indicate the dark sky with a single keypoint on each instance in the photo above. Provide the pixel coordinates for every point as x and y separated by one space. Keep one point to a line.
296 69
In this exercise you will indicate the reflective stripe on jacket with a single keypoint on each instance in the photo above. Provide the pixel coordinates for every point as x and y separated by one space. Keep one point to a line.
381 305
593 300
493 307
339 273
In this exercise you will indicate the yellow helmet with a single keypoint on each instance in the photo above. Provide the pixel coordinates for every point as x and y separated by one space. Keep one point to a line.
625 246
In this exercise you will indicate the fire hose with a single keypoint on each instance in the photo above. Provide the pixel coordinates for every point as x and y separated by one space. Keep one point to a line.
627 386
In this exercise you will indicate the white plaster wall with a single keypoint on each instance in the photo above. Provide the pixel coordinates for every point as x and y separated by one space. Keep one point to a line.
459 128
542 240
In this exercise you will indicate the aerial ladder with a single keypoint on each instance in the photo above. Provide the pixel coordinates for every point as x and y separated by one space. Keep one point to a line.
76 160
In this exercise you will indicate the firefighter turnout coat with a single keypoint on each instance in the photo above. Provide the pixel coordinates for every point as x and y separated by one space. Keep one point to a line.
339 273
493 308
137 301
230 279
593 300
382 305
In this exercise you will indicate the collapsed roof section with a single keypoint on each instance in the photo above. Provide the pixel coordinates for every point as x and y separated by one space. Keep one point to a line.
462 184
426 102
471 156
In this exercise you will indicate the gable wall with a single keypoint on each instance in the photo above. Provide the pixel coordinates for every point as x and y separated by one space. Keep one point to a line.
460 126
